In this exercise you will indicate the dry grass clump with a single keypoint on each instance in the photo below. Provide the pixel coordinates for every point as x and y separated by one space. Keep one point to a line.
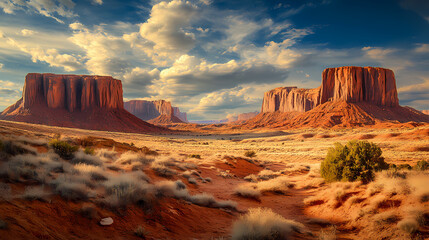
72 191
328 233
97 173
128 188
106 155
277 185
132 158
263 223
390 216
81 157
32 193
5 191
140 232
178 190
248 191
88 211
64 149
13 148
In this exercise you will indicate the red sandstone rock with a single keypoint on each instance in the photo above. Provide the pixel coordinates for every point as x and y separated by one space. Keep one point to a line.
150 110
352 84
181 115
356 84
82 101
290 99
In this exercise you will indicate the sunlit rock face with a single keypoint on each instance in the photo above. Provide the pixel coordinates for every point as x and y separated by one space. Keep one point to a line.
78 101
351 84
72 92
359 84
148 110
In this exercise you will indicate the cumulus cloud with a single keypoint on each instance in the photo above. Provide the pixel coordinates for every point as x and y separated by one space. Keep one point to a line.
137 80
106 54
27 32
191 76
97 2
48 8
422 48
1 66
51 56
416 95
10 92
167 30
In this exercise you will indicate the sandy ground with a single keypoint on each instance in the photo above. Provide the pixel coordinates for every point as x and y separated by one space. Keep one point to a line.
399 145
176 219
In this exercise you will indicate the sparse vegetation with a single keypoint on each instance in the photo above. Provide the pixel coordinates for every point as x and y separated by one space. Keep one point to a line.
250 154
356 161
3 224
422 165
88 211
32 193
197 156
140 232
89 151
263 223
63 148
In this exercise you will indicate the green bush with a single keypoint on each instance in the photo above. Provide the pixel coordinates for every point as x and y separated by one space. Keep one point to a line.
89 151
357 160
250 154
64 149
422 165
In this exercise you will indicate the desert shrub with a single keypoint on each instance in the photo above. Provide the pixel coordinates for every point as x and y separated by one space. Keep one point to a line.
32 193
408 225
131 157
89 151
64 149
88 211
248 191
21 168
207 200
277 185
3 224
147 151
129 188
95 172
140 232
15 148
422 165
197 156
250 154
5 191
192 181
263 223
82 157
72 191
357 160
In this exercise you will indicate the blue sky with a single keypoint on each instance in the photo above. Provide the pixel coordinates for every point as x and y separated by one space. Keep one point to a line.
213 58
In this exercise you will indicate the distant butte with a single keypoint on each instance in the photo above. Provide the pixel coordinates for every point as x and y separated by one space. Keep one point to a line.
79 101
156 112
348 96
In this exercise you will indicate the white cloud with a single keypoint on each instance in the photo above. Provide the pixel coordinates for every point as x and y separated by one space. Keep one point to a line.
48 8
51 56
97 2
422 48
27 32
167 30
1 66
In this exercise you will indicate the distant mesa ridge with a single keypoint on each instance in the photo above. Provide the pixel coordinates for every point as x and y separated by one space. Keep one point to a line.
348 96
352 84
157 112
81 101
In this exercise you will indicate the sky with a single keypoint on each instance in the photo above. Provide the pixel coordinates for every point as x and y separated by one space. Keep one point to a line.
213 58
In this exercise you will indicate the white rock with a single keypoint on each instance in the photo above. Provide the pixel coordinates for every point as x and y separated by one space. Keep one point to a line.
106 221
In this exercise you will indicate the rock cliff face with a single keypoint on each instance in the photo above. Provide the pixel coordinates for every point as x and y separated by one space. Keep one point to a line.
80 101
290 99
351 84
359 84
72 92
148 110
181 115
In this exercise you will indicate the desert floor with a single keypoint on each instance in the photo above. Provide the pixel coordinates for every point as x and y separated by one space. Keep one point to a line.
290 154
